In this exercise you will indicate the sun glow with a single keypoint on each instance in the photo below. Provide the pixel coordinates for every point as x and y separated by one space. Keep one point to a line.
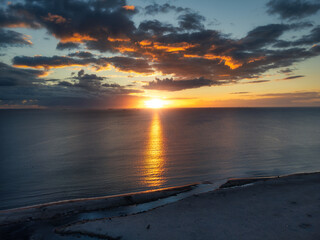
155 103
154 164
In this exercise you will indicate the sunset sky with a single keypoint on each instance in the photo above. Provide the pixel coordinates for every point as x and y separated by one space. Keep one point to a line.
121 54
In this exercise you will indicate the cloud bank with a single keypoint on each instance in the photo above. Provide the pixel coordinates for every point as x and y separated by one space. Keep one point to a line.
193 55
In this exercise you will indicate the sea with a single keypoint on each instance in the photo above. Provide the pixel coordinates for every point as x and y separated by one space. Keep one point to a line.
54 155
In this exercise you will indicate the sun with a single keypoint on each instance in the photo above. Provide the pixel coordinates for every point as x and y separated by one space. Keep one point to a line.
154 103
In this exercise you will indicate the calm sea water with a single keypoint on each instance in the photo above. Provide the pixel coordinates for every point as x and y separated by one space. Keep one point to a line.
50 155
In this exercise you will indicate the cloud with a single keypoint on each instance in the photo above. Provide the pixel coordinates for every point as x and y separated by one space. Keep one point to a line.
257 81
58 96
88 81
293 77
156 27
239 92
81 54
14 20
163 8
312 38
72 21
10 76
286 71
287 99
95 83
168 84
125 64
129 7
12 38
192 55
67 45
186 50
293 9
49 62
263 35
20 87
191 21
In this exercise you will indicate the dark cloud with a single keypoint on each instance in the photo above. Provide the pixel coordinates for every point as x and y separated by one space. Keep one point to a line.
15 19
72 21
81 54
191 21
88 81
12 38
287 70
156 27
293 77
312 38
163 8
65 84
168 84
26 86
59 96
49 62
268 34
114 85
67 45
258 81
263 35
239 92
125 64
10 76
95 83
293 9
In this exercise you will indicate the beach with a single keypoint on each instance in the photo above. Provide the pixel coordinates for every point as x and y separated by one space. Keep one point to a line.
286 207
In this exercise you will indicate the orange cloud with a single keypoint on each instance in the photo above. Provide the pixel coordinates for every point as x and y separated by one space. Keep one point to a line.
18 25
55 18
256 59
45 66
76 38
118 39
175 47
145 43
27 39
228 61
129 8
44 73
123 49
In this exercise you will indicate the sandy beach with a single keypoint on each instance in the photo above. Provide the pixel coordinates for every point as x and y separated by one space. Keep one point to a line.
267 208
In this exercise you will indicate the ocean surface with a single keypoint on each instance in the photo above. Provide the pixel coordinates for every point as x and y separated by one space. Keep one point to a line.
52 155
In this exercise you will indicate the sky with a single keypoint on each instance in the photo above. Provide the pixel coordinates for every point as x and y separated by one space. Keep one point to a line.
102 54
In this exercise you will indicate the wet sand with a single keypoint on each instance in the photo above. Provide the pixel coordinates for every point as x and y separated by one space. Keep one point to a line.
269 208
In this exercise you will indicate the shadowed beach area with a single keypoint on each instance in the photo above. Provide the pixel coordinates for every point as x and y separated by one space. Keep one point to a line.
285 207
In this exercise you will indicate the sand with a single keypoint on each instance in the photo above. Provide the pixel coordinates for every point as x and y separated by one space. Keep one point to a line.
286 208
271 208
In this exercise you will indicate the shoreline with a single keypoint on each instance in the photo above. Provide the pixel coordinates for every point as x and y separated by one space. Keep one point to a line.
83 215
78 205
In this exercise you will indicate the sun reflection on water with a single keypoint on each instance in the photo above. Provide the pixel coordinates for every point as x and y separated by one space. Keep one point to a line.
154 161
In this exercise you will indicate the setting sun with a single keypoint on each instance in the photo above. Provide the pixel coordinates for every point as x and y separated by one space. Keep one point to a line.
154 103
